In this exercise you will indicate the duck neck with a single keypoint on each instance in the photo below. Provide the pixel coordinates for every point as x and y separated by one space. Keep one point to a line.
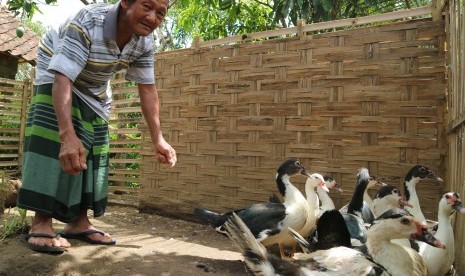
394 258
326 201
445 232
379 207
356 203
289 192
367 199
412 198
312 197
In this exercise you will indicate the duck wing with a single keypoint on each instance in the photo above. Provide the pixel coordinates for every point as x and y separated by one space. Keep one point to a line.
367 214
263 219
356 227
341 261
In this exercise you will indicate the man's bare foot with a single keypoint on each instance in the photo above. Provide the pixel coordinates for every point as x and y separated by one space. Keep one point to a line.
81 225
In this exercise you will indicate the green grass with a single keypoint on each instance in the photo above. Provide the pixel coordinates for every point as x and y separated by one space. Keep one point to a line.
16 225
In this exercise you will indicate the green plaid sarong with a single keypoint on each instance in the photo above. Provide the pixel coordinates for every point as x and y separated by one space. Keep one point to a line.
45 187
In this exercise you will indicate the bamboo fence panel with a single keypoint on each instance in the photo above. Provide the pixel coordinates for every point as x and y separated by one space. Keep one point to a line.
455 127
125 137
371 96
14 96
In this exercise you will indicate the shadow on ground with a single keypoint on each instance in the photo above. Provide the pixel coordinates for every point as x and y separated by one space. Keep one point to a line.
146 245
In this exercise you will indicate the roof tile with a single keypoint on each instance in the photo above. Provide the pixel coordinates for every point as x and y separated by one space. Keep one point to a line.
24 48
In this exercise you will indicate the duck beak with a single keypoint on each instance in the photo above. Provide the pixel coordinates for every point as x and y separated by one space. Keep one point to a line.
337 188
458 206
323 186
423 235
380 184
305 172
433 176
403 202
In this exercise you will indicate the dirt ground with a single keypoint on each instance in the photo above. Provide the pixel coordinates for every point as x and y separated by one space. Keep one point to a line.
146 245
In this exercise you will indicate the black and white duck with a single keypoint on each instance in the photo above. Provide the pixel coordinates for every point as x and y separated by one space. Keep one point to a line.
388 197
326 202
269 221
382 258
353 217
366 211
413 177
440 261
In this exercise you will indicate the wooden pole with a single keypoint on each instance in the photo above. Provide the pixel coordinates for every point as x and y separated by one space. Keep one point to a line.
27 91
437 8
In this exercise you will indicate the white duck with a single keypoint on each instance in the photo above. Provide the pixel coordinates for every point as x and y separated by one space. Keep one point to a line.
440 261
315 180
385 258
387 197
326 203
413 177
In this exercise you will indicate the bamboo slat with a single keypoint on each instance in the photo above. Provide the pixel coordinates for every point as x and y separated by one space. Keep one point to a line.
454 117
12 107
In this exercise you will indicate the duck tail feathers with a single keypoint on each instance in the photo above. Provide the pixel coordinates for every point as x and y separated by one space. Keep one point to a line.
304 244
256 257
209 217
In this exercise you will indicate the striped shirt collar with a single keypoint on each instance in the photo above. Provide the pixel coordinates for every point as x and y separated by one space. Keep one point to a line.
111 21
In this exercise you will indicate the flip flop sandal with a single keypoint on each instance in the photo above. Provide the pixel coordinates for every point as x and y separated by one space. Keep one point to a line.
42 248
83 236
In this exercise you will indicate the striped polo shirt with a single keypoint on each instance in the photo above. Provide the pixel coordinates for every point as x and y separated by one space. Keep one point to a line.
84 49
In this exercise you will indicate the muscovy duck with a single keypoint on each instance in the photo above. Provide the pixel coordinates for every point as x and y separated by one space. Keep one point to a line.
367 203
353 217
384 257
269 221
315 180
331 231
440 261
388 197
413 177
326 203
367 211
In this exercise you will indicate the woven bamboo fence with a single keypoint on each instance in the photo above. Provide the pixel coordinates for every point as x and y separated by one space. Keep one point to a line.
125 143
235 108
14 96
455 117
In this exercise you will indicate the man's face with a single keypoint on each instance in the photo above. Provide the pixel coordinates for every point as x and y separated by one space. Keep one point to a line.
145 15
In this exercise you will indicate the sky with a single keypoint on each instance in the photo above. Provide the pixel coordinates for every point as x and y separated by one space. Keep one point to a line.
55 14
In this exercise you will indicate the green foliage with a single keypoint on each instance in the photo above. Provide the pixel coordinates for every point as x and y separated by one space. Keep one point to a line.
25 8
36 27
216 18
289 11
18 224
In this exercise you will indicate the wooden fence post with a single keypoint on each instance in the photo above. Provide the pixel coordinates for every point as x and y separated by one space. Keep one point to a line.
436 9
27 91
